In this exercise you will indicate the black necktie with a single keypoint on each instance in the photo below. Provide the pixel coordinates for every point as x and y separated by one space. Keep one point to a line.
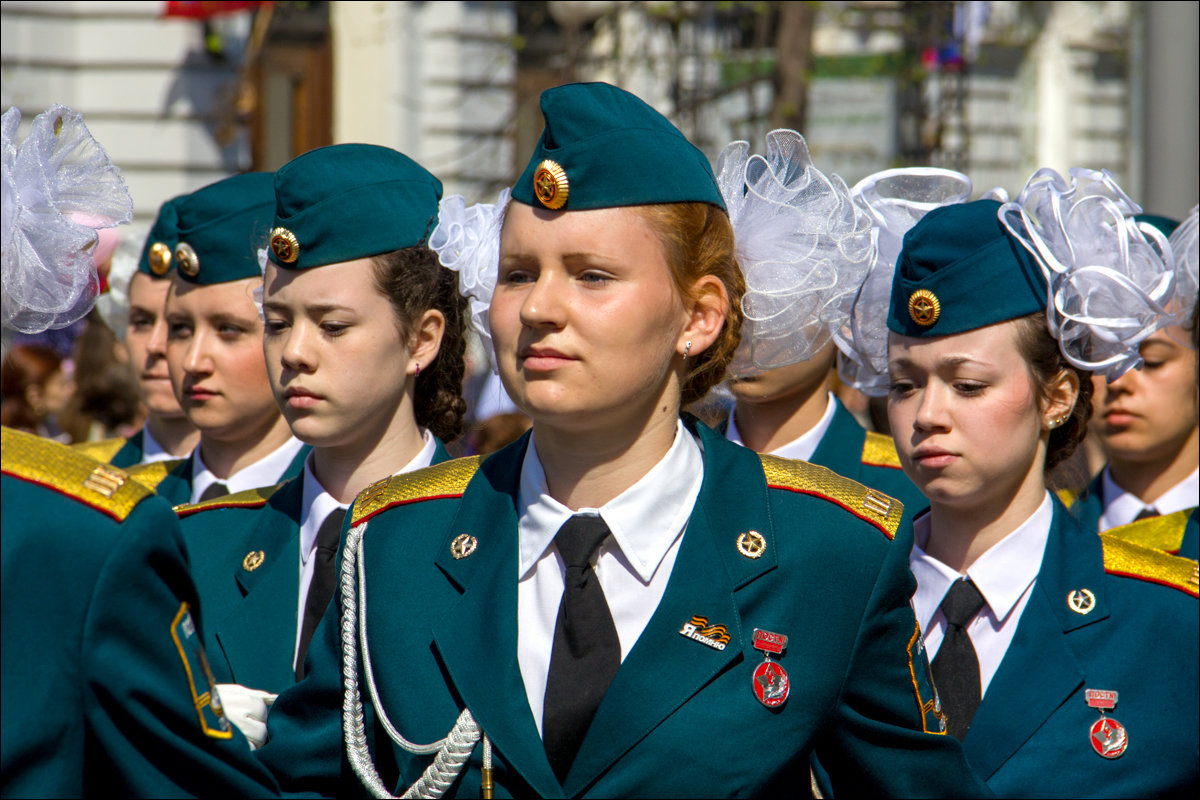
1146 513
215 489
320 591
956 666
586 653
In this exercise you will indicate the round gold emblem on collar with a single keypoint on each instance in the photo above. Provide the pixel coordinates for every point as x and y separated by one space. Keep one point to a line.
253 560
1081 601
285 246
924 307
187 260
550 185
752 544
463 545
159 258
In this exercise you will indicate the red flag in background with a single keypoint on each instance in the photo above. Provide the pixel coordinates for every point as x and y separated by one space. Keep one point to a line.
207 9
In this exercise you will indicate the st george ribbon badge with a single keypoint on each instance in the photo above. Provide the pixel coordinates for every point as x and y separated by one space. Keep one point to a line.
1108 737
770 679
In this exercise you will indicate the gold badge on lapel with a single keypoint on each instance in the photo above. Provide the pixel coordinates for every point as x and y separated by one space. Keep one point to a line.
1081 601
463 545
924 307
751 544
550 184
253 560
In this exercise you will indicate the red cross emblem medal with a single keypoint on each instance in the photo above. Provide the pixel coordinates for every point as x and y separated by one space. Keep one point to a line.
1108 737
770 679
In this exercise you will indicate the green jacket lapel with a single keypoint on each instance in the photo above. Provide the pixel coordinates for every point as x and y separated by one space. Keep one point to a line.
259 635
666 669
1039 671
176 487
440 453
132 451
477 639
840 449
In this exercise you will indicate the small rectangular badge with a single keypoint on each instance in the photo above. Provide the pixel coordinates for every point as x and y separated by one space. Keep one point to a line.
1101 698
769 642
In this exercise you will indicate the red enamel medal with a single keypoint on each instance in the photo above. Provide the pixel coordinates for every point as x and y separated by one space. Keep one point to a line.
1108 737
770 682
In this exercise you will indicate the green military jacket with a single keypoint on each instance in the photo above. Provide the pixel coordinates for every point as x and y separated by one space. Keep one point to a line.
870 458
119 452
245 551
172 480
1103 615
774 544
105 687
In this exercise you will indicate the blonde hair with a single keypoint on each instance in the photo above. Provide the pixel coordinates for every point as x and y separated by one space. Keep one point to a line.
697 240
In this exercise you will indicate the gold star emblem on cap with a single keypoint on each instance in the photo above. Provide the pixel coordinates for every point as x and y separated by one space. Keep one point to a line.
924 307
253 560
187 260
159 258
285 246
550 184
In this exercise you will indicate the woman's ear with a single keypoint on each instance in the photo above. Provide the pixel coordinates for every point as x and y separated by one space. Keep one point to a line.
426 340
1060 398
707 308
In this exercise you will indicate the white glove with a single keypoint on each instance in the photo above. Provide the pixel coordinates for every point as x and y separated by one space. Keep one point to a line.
247 709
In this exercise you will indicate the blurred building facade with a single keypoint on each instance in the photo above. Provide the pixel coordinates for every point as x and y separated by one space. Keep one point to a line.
996 89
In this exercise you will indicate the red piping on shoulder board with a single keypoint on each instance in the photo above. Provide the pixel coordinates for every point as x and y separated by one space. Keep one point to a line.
187 512
828 499
1184 589
409 501
105 511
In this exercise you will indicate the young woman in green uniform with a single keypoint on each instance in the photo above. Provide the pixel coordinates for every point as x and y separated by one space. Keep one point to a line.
214 348
364 338
622 602
1064 661
831 266
1148 422
167 434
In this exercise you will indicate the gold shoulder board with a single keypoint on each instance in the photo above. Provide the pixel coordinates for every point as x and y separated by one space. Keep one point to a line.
1067 496
1154 566
104 450
868 504
251 498
448 479
1158 533
151 474
880 451
99 485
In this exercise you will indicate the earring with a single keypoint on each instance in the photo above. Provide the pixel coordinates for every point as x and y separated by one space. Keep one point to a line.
417 372
687 349
1054 423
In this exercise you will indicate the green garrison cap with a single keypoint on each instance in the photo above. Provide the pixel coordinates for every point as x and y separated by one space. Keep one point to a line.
221 226
158 254
1165 225
349 201
603 147
959 270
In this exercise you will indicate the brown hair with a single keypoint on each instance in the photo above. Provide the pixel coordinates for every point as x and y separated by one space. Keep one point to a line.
24 366
414 282
1046 362
698 240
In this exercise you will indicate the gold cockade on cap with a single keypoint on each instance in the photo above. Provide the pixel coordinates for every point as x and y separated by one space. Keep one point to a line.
550 184
159 258
285 246
924 307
